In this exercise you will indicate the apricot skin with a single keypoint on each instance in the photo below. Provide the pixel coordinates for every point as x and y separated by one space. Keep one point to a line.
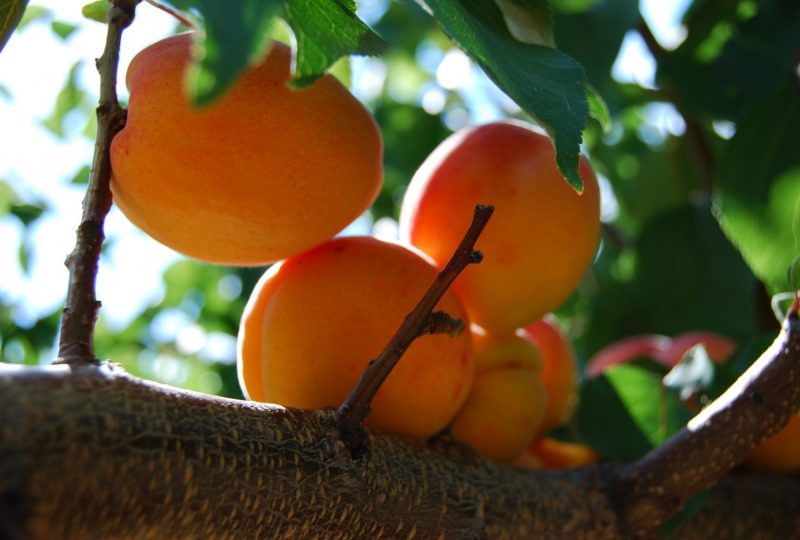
559 371
542 236
261 174
506 405
781 452
552 454
316 319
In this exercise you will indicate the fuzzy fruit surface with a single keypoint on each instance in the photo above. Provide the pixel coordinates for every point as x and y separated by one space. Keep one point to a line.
559 371
543 234
505 407
315 320
261 174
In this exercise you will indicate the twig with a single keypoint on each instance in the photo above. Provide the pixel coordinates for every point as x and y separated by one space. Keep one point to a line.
755 407
80 313
698 145
174 12
356 407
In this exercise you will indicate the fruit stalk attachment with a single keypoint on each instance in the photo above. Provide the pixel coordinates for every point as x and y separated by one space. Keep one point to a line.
357 405
80 312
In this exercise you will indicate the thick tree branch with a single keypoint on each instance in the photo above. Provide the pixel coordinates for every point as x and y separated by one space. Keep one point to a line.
90 452
755 407
80 313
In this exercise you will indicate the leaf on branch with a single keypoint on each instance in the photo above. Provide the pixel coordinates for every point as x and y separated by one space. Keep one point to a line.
530 21
325 32
598 108
233 36
544 81
96 11
10 15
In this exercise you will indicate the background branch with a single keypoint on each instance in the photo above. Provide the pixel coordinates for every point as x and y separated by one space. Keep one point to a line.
80 313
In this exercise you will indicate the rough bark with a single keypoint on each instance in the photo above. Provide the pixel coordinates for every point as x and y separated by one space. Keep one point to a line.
91 452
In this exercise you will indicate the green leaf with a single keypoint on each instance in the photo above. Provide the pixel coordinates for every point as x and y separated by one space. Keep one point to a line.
753 62
27 213
96 11
10 14
62 30
233 37
759 186
69 98
605 423
529 21
33 14
544 81
656 412
81 177
598 108
326 31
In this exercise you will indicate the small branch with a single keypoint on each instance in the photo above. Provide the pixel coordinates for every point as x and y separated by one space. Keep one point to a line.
174 12
80 313
698 145
356 407
758 405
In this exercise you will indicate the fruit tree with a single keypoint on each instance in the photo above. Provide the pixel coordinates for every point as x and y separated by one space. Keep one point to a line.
400 269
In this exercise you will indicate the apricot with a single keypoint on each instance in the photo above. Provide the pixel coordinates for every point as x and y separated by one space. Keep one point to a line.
549 453
261 174
315 319
541 239
559 372
506 405
781 452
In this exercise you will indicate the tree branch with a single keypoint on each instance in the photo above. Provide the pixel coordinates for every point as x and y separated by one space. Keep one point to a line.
356 407
80 313
91 452
758 405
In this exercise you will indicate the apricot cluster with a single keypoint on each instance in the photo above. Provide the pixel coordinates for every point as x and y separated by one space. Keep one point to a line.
537 247
270 175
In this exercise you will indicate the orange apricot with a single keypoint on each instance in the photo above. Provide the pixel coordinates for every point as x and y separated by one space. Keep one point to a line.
559 371
549 453
261 174
542 236
315 320
506 405
781 452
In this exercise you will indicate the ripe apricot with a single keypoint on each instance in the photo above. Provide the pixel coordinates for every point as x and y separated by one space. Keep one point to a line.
506 405
549 453
261 174
315 319
781 452
543 234
559 371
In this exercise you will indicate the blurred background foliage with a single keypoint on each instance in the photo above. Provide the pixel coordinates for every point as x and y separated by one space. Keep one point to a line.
700 171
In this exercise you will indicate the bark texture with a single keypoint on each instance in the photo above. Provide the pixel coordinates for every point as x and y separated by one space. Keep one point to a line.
91 452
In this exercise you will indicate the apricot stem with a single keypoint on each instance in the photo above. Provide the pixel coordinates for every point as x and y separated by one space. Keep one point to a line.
174 12
357 405
80 312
